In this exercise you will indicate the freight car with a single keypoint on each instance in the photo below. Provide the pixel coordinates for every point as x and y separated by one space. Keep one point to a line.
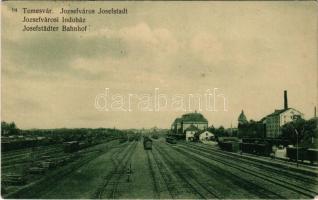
263 149
231 146
123 139
258 149
312 155
19 144
147 143
293 151
73 146
303 154
155 136
171 140
70 147
248 148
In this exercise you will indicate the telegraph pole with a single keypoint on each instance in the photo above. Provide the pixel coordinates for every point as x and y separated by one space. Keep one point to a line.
296 146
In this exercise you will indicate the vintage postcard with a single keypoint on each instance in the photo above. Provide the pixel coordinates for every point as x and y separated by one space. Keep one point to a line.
159 99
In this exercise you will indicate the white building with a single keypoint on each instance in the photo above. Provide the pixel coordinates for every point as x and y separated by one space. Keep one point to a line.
205 136
190 132
277 119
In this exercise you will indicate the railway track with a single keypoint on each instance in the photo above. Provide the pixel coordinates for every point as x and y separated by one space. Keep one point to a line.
309 177
34 154
14 153
114 156
17 164
187 177
39 187
27 153
238 164
153 175
109 187
29 158
237 177
167 177
40 184
297 180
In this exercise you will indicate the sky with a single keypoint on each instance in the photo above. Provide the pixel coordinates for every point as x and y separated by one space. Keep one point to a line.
250 51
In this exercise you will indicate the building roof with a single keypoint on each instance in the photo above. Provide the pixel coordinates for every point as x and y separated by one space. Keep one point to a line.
177 120
193 117
280 111
203 131
192 128
263 120
276 112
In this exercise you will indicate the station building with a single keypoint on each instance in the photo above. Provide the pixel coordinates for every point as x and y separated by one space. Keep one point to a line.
187 123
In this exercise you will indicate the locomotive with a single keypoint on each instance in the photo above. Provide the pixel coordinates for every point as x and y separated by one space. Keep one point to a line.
147 143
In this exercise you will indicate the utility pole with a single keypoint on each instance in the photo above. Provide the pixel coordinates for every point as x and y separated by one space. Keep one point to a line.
296 146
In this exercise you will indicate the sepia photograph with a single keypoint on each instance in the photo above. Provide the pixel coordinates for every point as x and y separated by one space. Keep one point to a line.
159 99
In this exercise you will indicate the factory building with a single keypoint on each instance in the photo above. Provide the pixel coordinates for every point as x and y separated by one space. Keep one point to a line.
270 125
278 118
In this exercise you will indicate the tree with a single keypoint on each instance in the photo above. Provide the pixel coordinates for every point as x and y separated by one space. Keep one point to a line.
307 130
9 128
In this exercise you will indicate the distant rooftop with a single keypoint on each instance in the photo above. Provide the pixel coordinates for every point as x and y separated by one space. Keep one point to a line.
279 111
276 112
193 117
192 128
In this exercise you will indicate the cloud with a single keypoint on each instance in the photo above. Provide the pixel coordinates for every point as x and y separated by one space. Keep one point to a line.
55 53
66 54
208 47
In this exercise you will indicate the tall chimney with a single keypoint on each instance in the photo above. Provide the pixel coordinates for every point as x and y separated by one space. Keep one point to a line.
285 100
315 112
